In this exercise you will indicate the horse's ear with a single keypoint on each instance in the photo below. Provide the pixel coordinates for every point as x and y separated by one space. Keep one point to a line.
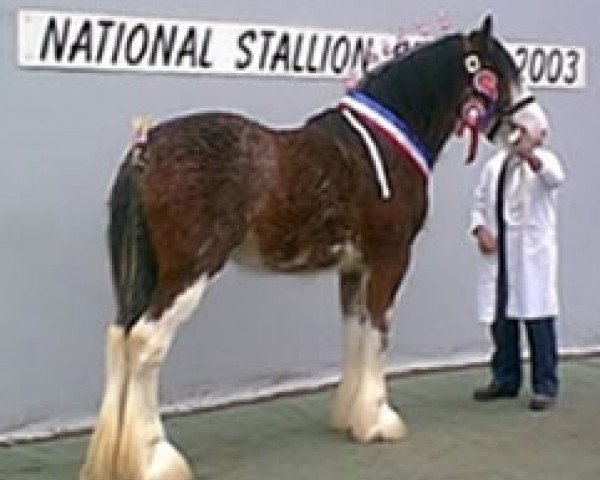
486 26
479 38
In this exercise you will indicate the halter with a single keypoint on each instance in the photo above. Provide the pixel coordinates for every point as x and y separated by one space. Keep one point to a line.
481 105
508 112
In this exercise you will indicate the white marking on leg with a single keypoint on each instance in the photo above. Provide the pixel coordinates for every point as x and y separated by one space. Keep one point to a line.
351 373
371 417
165 327
167 464
145 453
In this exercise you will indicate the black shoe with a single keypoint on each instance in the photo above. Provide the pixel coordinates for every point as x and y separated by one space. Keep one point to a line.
493 391
540 402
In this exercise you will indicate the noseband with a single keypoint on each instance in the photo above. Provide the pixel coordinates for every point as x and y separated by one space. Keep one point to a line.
482 104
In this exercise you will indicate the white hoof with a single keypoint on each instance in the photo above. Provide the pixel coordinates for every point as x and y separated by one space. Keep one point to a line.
167 464
383 424
391 427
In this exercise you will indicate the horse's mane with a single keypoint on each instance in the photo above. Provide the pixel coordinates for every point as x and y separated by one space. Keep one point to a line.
406 59
424 86
424 57
413 84
504 60
412 70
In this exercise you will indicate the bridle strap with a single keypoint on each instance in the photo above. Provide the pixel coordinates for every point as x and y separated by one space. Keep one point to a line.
508 112
518 106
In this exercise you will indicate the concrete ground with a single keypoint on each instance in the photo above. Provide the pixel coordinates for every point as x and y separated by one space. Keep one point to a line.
450 437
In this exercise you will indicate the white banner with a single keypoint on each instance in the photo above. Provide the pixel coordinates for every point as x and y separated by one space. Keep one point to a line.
65 40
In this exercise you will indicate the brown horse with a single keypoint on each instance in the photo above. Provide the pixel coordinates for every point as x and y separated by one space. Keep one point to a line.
348 190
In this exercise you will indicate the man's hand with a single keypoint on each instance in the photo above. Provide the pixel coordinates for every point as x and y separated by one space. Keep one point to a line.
524 149
532 160
485 240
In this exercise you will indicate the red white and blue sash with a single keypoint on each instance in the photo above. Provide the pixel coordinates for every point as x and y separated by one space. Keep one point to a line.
375 115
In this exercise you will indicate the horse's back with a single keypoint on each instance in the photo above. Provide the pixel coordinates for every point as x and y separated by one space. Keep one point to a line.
207 159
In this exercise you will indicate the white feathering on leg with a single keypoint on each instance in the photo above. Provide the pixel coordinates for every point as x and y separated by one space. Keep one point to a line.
371 417
137 448
351 374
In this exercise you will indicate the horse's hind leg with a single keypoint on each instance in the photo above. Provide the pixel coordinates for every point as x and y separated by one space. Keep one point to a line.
144 450
129 441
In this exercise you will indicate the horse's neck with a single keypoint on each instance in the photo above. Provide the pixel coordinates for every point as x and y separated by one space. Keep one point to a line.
424 91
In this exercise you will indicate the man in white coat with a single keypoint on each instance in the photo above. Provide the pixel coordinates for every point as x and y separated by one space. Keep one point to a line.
514 223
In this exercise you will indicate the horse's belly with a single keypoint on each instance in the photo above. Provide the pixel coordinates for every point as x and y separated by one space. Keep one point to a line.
294 257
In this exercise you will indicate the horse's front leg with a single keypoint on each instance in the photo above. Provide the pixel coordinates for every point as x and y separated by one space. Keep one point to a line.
352 299
371 417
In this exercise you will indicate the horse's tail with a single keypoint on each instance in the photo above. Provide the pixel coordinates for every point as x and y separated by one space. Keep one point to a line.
128 441
133 262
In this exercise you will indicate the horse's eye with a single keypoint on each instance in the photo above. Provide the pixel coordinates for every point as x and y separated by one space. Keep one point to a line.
472 63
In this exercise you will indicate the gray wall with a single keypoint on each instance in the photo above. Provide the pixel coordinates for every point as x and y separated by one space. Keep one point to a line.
62 134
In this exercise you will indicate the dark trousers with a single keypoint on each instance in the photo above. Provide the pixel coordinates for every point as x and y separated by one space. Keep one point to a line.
506 359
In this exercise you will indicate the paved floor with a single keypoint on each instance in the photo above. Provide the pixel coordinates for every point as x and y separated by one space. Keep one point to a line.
450 438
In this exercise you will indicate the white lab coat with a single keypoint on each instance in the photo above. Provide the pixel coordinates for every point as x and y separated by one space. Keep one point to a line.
531 249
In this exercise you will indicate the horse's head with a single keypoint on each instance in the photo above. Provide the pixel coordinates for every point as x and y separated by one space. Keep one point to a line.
496 102
468 82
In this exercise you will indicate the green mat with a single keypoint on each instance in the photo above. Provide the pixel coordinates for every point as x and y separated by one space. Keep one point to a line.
450 437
